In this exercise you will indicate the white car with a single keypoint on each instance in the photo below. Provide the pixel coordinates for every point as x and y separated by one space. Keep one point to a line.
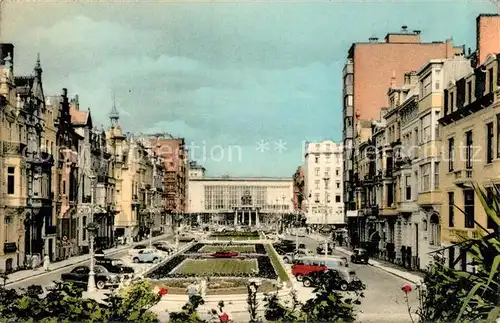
136 249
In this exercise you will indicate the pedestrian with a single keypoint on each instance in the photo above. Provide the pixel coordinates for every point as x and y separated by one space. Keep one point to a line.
46 263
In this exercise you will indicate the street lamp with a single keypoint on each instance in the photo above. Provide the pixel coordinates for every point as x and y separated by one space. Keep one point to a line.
92 228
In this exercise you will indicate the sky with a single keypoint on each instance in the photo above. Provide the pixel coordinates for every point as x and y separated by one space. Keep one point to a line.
246 83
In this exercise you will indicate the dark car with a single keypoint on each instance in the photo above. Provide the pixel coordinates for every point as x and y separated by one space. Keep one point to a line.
359 255
80 276
224 254
114 266
285 246
321 250
340 279
163 247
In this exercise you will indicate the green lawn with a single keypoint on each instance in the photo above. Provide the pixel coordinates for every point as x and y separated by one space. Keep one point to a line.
274 257
238 248
217 266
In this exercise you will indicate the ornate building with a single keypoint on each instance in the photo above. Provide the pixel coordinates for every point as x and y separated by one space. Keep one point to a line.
25 201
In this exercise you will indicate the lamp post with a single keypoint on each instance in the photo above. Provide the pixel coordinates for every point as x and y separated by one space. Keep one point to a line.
92 228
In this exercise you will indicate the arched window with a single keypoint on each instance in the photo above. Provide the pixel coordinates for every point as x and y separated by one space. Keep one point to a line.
424 222
435 230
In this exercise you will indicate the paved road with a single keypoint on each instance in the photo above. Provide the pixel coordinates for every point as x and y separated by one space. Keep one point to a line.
384 300
47 279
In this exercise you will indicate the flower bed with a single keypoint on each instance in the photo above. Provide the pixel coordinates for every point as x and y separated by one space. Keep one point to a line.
238 248
217 266
215 286
165 269
236 234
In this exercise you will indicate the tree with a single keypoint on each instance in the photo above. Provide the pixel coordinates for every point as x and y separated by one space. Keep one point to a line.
328 305
65 304
451 295
189 311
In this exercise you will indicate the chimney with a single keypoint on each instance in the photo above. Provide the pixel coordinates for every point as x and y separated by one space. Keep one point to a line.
404 29
417 32
373 39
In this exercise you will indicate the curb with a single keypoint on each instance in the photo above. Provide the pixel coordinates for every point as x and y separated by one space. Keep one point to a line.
384 269
87 258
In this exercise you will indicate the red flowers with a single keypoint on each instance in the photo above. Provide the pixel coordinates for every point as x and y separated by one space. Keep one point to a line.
224 318
406 288
163 291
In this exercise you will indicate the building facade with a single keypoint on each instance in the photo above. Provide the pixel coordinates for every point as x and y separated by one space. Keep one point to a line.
470 123
174 153
25 197
240 201
323 168
370 67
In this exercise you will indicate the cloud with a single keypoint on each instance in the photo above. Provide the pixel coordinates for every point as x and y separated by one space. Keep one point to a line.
219 74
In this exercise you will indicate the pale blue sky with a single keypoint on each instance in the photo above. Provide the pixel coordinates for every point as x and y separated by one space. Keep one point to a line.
221 75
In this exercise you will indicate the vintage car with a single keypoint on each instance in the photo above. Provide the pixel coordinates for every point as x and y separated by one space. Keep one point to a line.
359 255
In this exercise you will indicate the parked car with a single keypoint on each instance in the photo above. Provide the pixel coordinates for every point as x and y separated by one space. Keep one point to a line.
359 255
186 237
103 277
163 246
115 266
225 254
136 249
290 256
147 255
285 246
341 279
304 266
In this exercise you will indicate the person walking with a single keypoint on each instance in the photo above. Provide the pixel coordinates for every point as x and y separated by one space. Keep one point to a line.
46 263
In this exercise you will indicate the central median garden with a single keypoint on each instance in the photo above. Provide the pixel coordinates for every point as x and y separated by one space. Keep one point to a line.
223 272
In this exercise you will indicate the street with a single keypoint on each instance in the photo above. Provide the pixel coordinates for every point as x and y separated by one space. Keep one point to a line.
383 302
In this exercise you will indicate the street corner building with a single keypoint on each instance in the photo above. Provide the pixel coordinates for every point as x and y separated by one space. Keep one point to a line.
413 166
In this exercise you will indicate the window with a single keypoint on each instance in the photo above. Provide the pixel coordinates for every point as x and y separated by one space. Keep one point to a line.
316 183
316 159
416 138
426 85
468 150
327 172
390 194
338 184
327 185
84 226
436 175
337 198
327 157
490 80
408 187
316 197
11 180
491 224
469 208
348 79
436 134
316 171
425 171
451 154
489 142
435 231
498 135
426 128
469 92
451 209
452 102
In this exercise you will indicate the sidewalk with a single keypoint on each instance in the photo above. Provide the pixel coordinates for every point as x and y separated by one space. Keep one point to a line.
25 274
415 278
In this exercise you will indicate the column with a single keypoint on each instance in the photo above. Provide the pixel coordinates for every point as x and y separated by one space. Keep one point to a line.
250 217
257 217
235 217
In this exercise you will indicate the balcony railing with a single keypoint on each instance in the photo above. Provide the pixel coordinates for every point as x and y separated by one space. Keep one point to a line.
13 148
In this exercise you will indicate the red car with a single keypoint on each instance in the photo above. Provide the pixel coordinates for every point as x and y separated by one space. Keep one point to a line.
225 254
303 267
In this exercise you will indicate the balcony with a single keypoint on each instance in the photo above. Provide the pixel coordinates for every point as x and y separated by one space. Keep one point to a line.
13 148
9 247
406 207
430 198
462 177
368 179
50 230
467 110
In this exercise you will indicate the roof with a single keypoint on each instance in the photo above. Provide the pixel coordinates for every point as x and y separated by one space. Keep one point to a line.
243 179
79 118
